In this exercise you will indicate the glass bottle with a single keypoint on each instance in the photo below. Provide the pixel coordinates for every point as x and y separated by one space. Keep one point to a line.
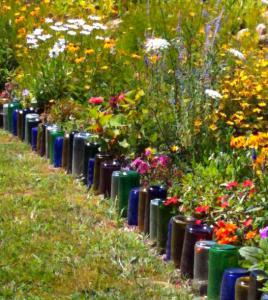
106 170
65 152
241 288
34 138
228 282
91 149
79 142
221 257
201 253
90 174
193 233
99 158
177 237
28 132
127 181
155 191
114 185
153 218
54 134
143 198
70 147
58 151
15 121
133 206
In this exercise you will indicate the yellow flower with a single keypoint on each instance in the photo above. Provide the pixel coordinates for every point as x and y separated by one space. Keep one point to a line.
89 51
79 60
197 123
174 148
110 43
19 19
104 68
257 110
136 56
262 104
72 48
237 142
213 127
154 58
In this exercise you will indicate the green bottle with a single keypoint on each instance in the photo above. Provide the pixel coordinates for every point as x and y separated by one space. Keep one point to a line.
221 257
127 181
53 135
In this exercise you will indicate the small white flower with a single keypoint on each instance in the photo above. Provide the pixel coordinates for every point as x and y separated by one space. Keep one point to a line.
265 2
213 94
71 32
58 48
78 22
71 26
48 20
94 18
156 44
34 46
237 54
99 26
58 28
31 41
58 23
44 37
38 31
87 27
85 32
99 38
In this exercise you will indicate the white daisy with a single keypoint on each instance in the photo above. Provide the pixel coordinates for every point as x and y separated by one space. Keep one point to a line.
71 32
237 53
38 31
44 37
94 18
85 32
213 94
48 20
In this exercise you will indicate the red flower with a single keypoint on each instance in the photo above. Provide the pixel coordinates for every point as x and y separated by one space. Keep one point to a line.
247 183
202 209
171 201
225 204
248 222
231 185
96 100
198 222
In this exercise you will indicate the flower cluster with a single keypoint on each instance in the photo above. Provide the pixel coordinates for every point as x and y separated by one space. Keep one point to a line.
225 233
155 45
153 168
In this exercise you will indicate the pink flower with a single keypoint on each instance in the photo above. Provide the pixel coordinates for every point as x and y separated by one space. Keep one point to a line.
135 164
248 222
96 100
163 160
148 152
143 167
231 185
247 183
121 96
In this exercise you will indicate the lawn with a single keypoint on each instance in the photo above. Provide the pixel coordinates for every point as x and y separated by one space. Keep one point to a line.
60 242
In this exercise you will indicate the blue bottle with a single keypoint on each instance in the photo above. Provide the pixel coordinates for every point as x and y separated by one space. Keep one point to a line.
90 174
34 138
228 282
58 145
133 205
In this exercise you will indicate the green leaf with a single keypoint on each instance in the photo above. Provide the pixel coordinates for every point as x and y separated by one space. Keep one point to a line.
124 144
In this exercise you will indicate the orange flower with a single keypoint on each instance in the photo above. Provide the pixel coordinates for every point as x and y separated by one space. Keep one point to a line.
250 235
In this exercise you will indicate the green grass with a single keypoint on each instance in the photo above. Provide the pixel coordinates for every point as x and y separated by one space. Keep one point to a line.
59 242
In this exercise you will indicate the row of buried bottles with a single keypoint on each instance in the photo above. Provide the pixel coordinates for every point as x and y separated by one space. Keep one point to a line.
213 267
